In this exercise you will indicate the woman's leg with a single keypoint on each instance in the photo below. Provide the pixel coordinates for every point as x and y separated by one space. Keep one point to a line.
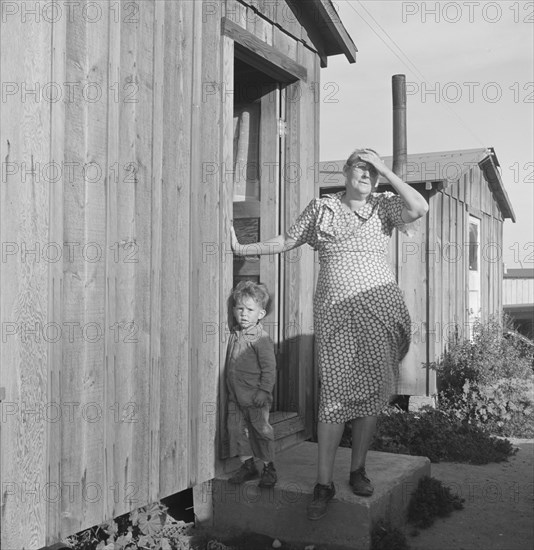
363 430
328 437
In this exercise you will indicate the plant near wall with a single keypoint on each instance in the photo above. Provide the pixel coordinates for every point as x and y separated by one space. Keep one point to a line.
488 381
146 528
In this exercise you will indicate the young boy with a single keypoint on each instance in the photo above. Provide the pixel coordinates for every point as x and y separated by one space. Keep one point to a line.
250 377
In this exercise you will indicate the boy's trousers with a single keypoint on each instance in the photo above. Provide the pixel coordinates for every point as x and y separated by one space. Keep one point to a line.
250 432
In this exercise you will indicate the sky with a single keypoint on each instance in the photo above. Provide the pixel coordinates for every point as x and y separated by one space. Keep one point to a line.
469 70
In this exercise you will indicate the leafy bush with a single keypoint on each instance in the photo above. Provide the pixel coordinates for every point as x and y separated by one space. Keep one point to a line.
431 499
488 381
489 356
504 408
437 435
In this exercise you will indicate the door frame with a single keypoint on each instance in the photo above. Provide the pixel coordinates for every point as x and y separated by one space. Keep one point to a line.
238 43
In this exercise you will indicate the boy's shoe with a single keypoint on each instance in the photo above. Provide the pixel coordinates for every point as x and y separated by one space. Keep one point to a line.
246 471
322 495
268 476
360 483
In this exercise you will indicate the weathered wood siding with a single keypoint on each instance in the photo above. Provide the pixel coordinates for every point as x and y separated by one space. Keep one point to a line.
433 270
300 187
24 278
449 255
123 385
412 270
114 330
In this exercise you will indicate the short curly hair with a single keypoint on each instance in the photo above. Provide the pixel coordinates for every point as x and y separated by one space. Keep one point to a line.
249 289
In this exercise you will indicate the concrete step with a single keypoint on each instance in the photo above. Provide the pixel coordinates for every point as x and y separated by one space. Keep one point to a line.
280 512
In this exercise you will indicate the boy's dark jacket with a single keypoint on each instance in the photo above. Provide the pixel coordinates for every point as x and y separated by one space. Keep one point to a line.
250 364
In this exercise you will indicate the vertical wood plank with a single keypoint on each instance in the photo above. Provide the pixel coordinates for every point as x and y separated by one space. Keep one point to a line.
175 326
500 268
156 249
55 276
412 267
73 437
86 216
143 196
225 198
459 265
269 161
432 335
195 238
205 155
24 299
292 261
450 258
120 264
112 393
309 106
466 275
478 181
435 249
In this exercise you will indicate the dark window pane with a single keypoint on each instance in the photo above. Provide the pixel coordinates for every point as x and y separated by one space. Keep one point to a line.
473 247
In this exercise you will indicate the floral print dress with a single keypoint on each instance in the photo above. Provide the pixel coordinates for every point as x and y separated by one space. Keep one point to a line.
361 322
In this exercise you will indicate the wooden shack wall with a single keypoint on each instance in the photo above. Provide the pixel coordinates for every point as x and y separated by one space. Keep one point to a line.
122 384
407 253
24 226
125 359
448 259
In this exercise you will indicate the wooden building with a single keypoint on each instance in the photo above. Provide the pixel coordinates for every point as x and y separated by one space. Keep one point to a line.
124 126
518 299
450 268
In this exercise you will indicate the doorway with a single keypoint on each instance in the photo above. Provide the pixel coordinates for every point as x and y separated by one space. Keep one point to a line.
258 152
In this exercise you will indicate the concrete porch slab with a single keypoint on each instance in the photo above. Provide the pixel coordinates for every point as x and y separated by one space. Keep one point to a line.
280 512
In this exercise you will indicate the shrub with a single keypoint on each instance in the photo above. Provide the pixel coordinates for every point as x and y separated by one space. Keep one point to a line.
437 435
488 381
431 499
487 357
504 408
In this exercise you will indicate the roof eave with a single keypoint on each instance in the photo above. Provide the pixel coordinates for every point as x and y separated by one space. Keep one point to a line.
340 41
488 166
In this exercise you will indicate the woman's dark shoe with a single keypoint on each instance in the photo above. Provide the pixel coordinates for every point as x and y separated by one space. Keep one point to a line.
360 483
322 495
247 471
268 476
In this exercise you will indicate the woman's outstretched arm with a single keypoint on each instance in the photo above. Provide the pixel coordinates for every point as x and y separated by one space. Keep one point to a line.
276 245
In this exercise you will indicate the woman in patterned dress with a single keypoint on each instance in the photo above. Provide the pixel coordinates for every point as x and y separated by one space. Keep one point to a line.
361 323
